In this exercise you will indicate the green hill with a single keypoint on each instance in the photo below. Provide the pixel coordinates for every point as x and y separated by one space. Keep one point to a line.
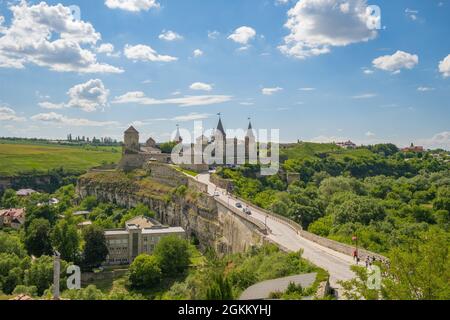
20 157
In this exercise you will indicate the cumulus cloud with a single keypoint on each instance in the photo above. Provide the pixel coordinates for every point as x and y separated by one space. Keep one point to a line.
60 119
132 5
439 140
138 97
8 114
318 25
270 91
170 36
444 67
396 62
142 52
201 86
198 53
89 96
243 35
49 36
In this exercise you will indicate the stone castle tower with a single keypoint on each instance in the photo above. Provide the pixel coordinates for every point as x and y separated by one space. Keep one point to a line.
131 141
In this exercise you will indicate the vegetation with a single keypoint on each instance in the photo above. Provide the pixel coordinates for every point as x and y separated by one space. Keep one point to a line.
95 249
377 193
417 270
19 158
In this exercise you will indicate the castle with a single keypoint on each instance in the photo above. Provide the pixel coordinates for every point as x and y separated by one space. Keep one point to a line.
223 150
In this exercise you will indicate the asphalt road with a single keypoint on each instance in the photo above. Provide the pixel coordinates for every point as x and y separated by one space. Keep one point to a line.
337 264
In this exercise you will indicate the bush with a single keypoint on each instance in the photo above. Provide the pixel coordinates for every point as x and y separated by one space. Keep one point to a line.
173 255
144 272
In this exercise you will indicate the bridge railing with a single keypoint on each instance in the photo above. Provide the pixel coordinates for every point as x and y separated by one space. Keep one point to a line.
328 243
261 226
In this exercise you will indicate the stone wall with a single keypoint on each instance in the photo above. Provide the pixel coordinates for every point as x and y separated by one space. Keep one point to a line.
166 174
221 183
203 218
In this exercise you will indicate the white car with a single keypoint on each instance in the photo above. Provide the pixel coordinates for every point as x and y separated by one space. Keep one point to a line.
216 194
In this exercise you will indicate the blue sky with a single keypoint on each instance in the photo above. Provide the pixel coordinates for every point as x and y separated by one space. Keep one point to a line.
323 77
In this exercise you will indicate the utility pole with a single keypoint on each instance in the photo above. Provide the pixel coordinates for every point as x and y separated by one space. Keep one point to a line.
56 274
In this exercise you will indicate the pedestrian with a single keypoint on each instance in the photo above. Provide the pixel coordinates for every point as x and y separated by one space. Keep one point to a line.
367 262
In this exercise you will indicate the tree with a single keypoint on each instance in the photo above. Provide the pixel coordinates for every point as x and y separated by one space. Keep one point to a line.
173 255
220 289
95 249
420 270
89 203
10 243
417 270
144 272
37 238
9 199
66 240
40 274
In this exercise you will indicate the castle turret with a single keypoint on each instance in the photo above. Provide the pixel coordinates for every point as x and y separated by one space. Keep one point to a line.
178 139
131 141
250 144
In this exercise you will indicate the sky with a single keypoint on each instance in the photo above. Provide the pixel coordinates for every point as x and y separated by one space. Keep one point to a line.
317 70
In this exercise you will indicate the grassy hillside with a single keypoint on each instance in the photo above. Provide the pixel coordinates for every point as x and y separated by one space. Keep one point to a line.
19 157
315 151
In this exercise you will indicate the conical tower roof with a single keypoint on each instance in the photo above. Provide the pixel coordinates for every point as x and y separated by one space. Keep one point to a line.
131 129
220 127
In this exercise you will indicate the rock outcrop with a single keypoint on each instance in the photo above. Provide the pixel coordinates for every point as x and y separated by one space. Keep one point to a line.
195 211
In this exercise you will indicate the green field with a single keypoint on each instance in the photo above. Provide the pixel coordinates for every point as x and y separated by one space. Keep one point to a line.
19 157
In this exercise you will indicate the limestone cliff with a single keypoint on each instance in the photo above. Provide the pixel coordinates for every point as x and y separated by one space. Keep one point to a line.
195 211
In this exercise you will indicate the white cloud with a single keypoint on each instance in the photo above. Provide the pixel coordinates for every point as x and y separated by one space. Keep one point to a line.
51 105
368 71
328 139
370 134
48 36
317 25
246 103
198 53
89 96
444 67
365 96
243 35
138 97
191 117
60 119
8 114
271 91
142 52
105 48
307 89
439 140
132 5
412 14
424 89
396 62
281 2
213 34
201 86
169 36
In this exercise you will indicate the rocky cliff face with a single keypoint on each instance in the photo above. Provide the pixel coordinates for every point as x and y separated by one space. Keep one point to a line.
196 212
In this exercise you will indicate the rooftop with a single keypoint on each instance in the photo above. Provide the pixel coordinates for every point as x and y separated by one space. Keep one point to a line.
142 222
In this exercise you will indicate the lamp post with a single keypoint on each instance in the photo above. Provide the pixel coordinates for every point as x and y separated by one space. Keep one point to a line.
355 239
